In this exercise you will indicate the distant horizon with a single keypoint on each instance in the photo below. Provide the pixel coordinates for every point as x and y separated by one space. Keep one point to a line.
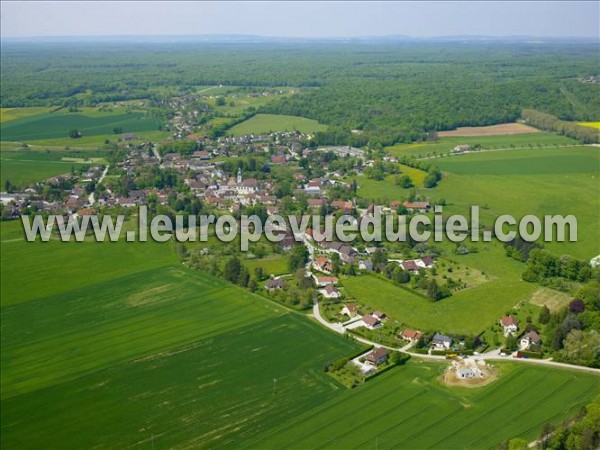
314 20
245 37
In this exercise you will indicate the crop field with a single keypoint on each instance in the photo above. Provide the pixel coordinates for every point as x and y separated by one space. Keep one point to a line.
23 168
8 114
203 353
407 407
525 162
91 122
595 125
446 144
204 358
34 270
492 130
263 123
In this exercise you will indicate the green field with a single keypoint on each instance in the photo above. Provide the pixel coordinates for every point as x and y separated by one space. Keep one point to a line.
446 144
8 114
519 182
271 265
121 346
525 162
25 167
469 311
90 121
408 408
264 123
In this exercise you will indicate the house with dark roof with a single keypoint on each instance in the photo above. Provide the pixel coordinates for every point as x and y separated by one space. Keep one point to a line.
441 342
529 339
275 284
376 357
371 322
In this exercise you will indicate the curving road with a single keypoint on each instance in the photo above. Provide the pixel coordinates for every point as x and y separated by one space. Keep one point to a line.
493 355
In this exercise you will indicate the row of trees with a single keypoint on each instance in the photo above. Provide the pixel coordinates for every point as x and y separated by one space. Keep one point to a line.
548 122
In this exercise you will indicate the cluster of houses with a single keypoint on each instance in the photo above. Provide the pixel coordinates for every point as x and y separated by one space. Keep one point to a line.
370 321
510 327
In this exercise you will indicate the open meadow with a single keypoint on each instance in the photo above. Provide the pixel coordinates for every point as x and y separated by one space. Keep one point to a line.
408 407
519 182
468 311
446 144
25 167
263 123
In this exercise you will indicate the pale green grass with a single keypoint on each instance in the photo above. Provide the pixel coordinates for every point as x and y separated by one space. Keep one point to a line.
264 123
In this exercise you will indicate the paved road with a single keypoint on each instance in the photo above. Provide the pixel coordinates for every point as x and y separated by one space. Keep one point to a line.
339 328
493 355
543 147
92 197
156 154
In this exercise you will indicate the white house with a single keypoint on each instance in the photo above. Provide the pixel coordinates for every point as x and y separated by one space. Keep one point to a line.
510 325
371 322
330 292
441 342
350 310
528 339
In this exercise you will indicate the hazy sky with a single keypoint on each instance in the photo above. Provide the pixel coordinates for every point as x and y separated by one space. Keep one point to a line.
299 19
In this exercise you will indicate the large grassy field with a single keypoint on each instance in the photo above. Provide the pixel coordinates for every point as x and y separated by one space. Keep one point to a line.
90 121
469 311
519 182
25 167
408 408
545 181
121 346
446 144
34 270
263 123
8 114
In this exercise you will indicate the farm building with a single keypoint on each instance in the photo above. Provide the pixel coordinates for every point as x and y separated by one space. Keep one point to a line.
461 149
421 207
324 281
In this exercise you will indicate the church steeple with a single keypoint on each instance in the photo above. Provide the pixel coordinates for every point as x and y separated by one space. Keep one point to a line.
239 175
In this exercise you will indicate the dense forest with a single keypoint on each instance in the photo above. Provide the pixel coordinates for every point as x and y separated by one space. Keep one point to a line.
386 93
